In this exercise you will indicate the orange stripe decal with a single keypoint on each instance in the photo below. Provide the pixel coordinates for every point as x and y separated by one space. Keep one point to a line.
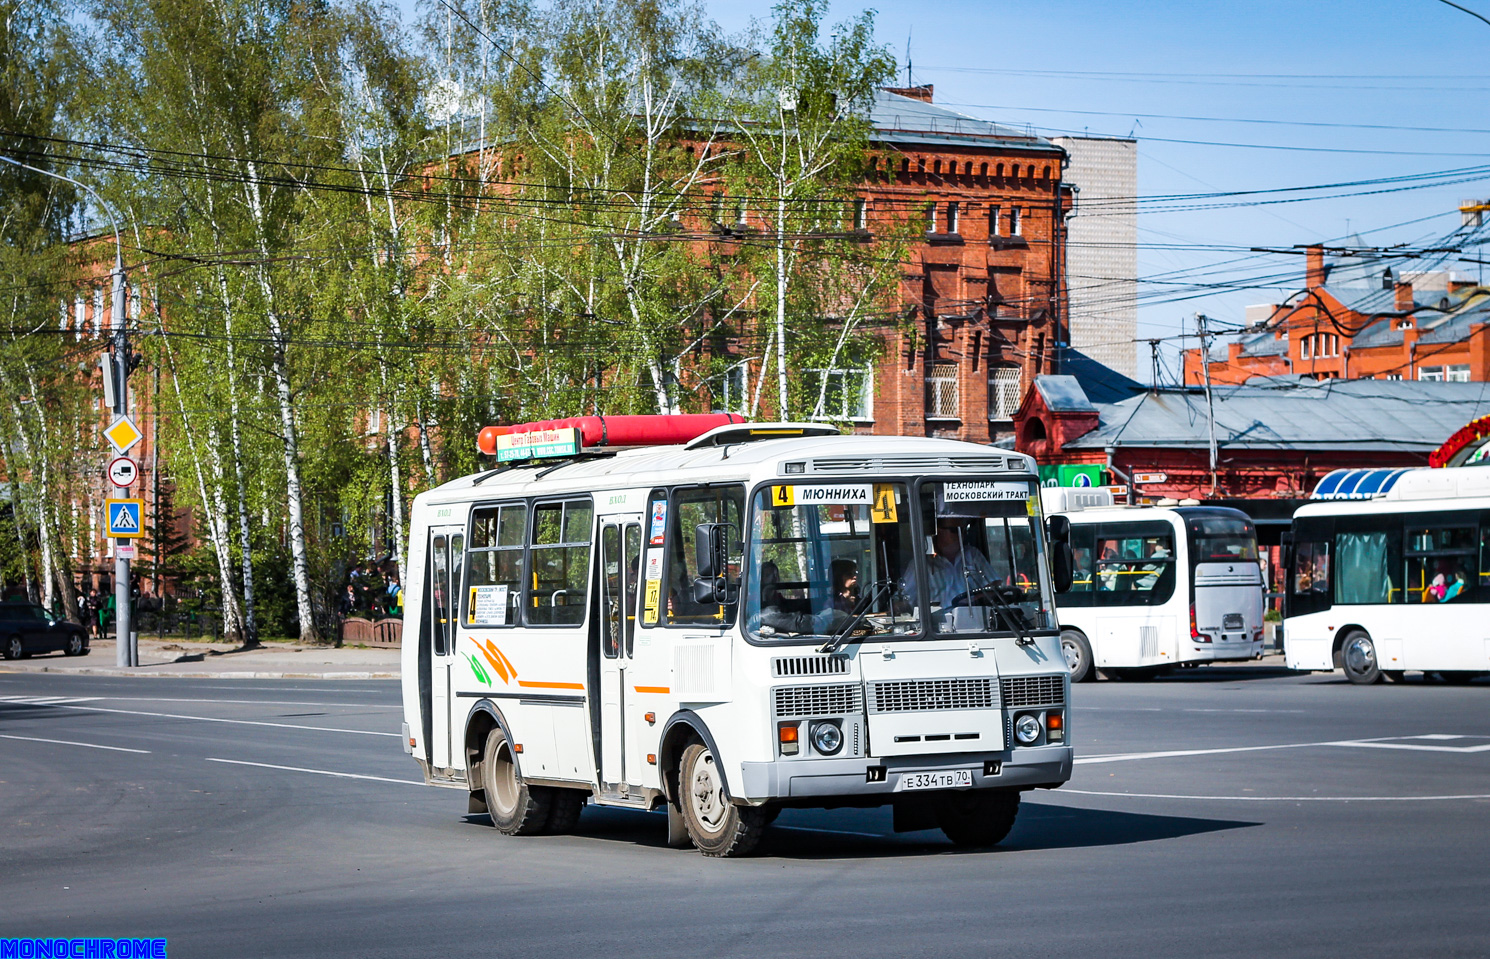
652 689
550 685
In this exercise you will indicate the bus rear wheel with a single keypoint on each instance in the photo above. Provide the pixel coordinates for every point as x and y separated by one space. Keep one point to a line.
1078 653
516 808
717 826
977 820
1358 659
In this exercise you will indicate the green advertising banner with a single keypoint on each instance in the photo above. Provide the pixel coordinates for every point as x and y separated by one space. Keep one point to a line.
1077 476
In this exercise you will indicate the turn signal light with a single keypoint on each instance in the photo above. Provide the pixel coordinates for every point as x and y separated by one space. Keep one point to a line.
786 735
651 719
1055 728
517 747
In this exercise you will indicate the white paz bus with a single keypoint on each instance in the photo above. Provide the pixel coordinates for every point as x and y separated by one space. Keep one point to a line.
1156 587
1399 581
725 620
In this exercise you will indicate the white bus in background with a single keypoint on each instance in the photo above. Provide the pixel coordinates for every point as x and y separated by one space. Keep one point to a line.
1156 587
732 625
1397 582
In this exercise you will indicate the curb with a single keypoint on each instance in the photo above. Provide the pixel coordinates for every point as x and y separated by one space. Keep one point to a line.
141 672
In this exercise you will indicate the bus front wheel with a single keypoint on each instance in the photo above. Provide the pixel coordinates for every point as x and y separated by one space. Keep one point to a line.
1358 659
1078 653
977 819
516 808
717 826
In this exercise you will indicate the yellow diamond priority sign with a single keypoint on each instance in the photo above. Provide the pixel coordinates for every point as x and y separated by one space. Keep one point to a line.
123 434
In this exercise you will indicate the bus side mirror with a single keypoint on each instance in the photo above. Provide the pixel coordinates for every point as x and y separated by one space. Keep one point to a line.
1058 528
711 586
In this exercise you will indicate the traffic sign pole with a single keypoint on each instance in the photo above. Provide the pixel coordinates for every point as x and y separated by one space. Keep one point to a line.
126 652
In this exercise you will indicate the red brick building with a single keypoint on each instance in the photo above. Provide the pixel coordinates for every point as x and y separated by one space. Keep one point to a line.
986 281
1356 319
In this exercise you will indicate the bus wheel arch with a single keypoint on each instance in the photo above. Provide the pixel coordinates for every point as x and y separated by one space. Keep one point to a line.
1074 644
483 718
682 730
1356 653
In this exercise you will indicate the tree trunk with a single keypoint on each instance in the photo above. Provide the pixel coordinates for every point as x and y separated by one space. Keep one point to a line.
235 430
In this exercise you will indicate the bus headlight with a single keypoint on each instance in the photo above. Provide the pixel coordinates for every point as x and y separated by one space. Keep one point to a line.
1027 729
827 738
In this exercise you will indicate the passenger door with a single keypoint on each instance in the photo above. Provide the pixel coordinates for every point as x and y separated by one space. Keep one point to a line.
620 562
446 552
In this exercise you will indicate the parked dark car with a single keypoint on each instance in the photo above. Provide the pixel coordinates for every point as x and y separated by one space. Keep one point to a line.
26 628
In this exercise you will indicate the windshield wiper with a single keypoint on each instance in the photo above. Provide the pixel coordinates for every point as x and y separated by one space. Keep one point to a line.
860 611
1010 614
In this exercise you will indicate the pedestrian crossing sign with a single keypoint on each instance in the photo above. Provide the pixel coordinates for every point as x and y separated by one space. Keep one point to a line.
125 517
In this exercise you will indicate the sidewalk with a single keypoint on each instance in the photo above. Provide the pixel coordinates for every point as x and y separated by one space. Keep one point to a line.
207 660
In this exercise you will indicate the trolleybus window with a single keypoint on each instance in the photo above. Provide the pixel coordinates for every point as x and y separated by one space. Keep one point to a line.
824 555
1441 563
1135 564
559 562
983 548
1368 560
494 564
690 507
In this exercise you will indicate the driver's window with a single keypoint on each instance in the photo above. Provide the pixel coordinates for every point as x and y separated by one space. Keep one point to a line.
691 507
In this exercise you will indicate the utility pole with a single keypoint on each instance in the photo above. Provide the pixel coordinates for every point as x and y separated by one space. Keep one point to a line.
1210 405
125 652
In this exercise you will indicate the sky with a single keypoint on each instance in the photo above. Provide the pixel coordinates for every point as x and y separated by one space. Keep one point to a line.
1223 96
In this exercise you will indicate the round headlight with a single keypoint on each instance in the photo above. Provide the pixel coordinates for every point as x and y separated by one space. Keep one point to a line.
827 738
1027 729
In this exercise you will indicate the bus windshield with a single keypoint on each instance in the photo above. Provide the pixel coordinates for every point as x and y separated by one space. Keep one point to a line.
1221 539
822 555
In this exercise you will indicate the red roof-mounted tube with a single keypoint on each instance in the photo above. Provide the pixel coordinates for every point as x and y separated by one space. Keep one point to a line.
645 430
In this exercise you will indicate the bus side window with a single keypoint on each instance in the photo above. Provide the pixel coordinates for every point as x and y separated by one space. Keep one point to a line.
690 507
1441 563
494 566
559 562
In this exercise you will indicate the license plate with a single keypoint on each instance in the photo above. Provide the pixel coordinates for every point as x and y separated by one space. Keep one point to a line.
1231 621
941 779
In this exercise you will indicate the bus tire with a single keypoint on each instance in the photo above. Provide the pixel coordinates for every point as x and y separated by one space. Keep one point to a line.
565 806
1078 653
717 826
1358 658
977 819
516 808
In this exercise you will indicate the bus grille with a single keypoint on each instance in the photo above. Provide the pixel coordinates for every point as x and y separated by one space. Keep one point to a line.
1022 691
906 464
918 695
824 700
789 666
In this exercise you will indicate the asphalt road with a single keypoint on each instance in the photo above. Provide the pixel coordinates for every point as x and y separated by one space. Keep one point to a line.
1226 813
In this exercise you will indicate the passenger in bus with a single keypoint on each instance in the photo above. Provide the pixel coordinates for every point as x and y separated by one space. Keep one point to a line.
845 585
1456 587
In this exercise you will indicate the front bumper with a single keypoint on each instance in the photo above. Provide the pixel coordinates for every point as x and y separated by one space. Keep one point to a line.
1023 768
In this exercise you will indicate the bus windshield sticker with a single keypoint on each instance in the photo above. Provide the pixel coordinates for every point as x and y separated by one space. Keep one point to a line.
977 492
488 606
884 504
652 598
659 524
856 494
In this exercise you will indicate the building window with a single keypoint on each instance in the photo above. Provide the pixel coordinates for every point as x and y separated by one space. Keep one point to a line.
943 401
1394 376
983 170
1458 373
1430 374
1016 227
734 389
1000 171
994 215
861 215
931 218
845 394
1304 347
952 217
1003 391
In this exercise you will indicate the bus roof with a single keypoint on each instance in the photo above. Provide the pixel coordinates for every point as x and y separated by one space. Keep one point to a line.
821 456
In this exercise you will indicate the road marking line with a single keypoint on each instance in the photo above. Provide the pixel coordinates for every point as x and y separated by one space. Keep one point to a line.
318 772
240 702
68 742
1419 746
214 719
1094 792
1380 741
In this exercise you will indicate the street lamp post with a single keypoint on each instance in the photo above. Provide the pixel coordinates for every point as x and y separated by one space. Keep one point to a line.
125 652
